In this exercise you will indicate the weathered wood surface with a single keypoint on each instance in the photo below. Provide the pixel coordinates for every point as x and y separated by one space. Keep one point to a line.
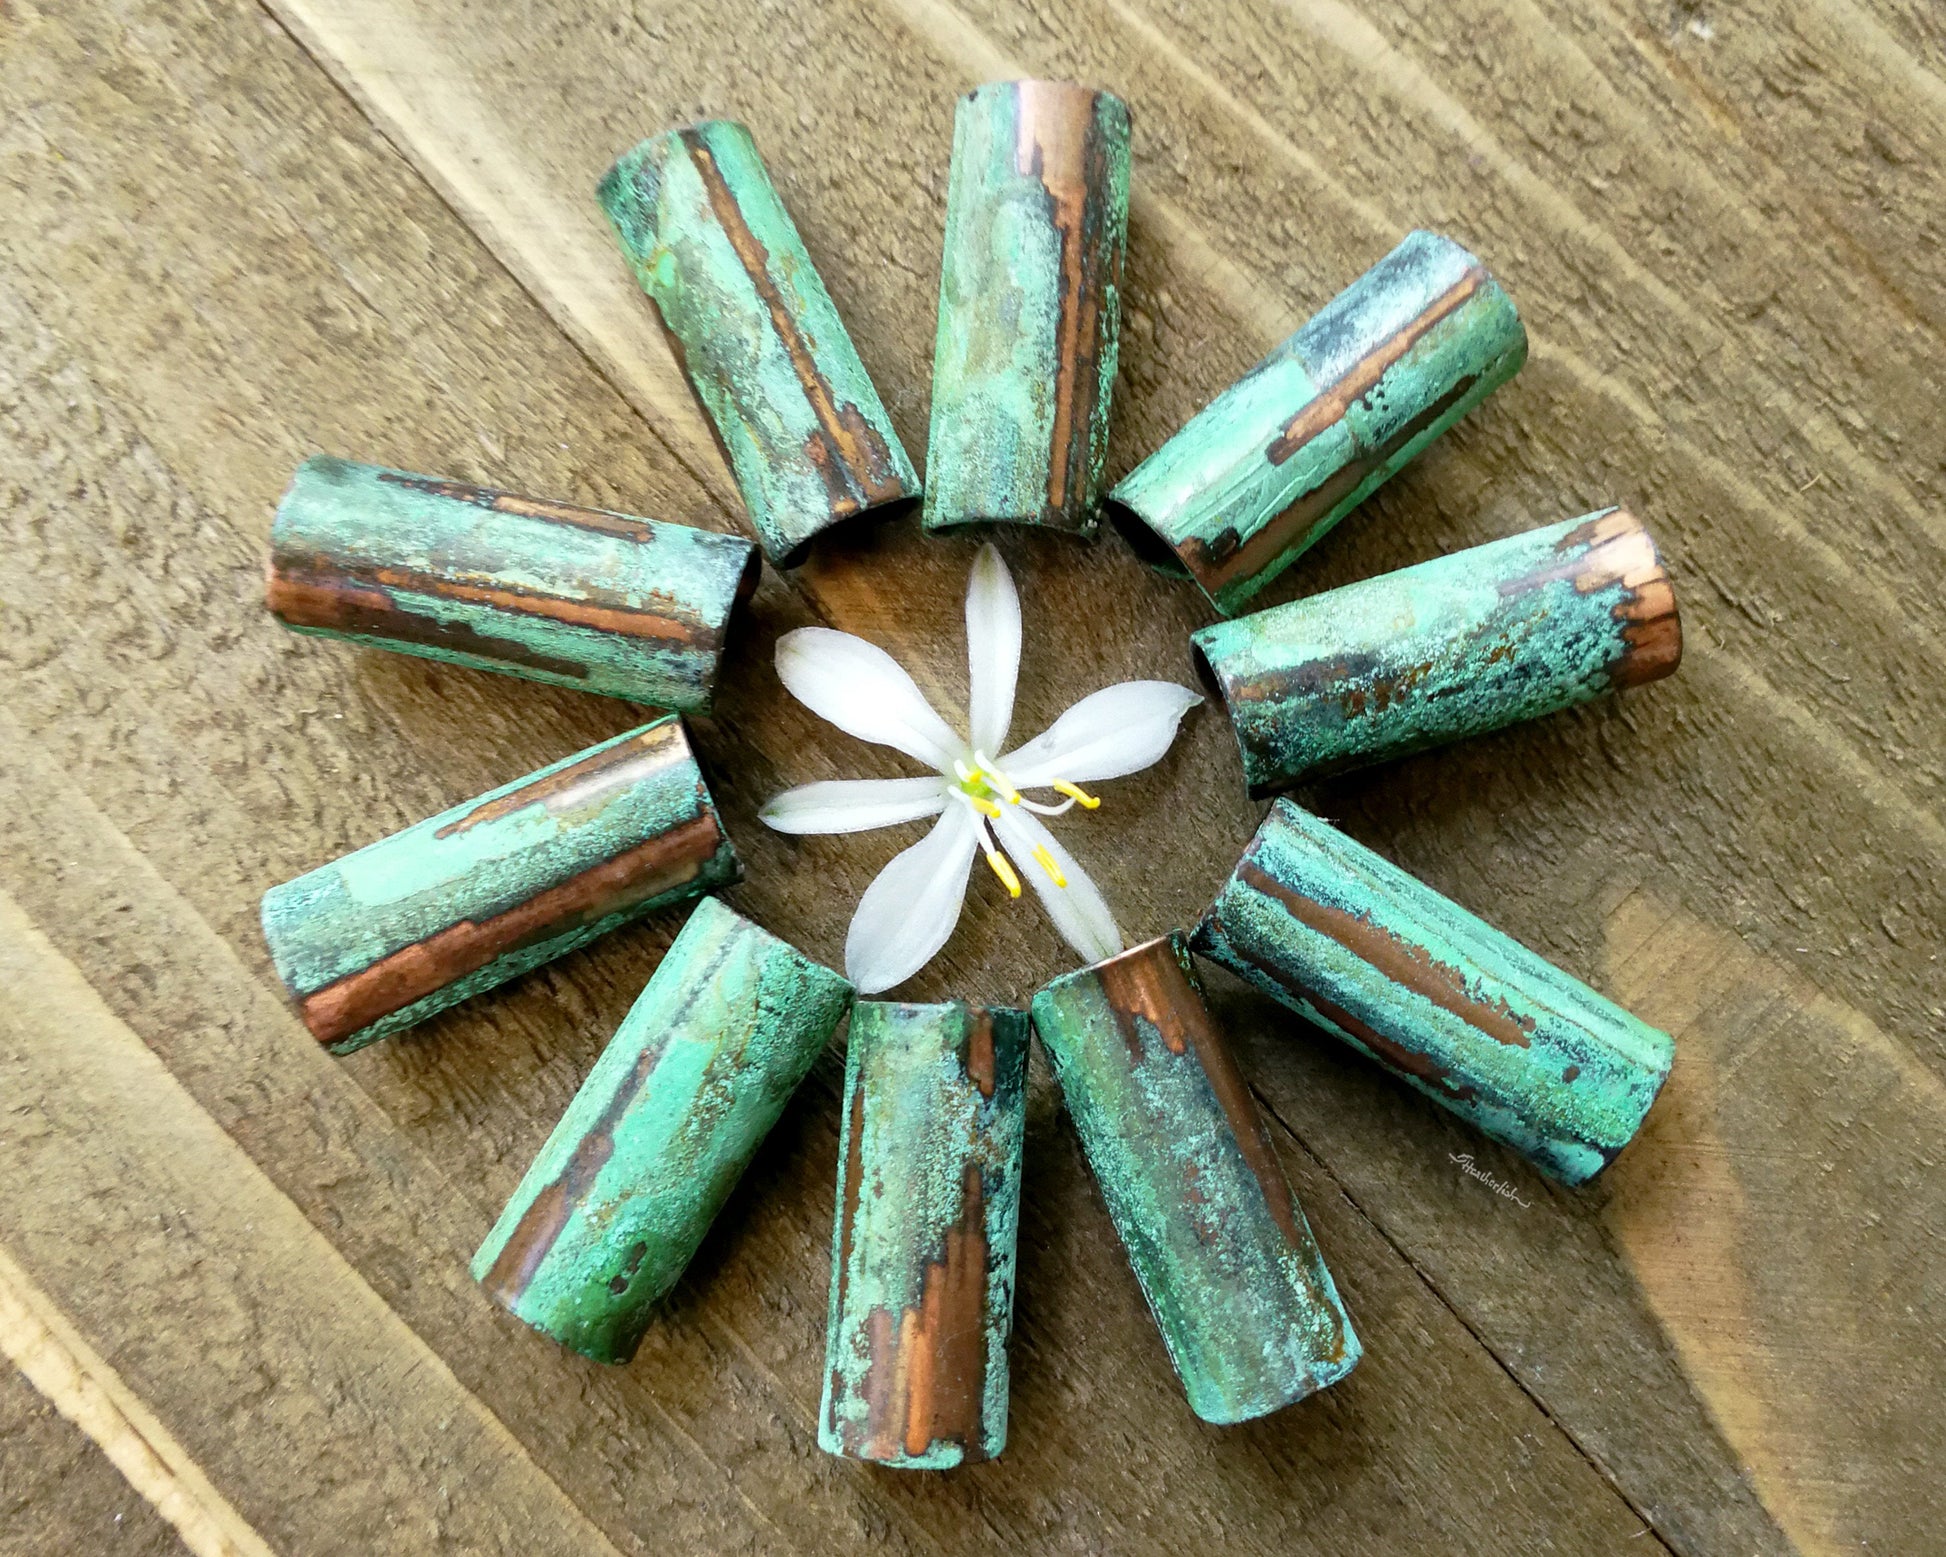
236 235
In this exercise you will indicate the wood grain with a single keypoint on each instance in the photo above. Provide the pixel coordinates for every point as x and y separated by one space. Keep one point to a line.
365 226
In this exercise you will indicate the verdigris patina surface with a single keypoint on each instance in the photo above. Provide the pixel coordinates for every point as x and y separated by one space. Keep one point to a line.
1469 1016
1259 474
1250 1315
804 431
403 928
1029 306
612 1209
579 597
922 1260
1453 647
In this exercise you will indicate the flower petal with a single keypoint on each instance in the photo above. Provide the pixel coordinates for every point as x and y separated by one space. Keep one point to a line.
1118 730
992 649
908 912
854 805
1078 910
863 691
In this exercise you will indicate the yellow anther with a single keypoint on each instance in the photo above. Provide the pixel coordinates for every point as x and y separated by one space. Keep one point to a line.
986 808
1046 863
1003 868
1076 793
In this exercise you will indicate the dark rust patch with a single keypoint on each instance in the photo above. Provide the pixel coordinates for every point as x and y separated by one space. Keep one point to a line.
658 865
856 466
631 1263
1402 962
617 768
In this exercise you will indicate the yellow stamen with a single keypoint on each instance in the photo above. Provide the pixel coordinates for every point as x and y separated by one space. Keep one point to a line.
1074 792
1003 868
986 808
998 780
1046 863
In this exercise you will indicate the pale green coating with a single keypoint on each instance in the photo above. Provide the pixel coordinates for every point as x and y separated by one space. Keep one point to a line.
1029 306
377 941
922 1278
1469 1016
1259 475
613 1208
1247 1309
1456 646
806 434
575 597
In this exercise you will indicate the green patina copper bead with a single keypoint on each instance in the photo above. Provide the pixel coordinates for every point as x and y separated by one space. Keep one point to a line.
382 939
613 1208
1453 647
804 431
1029 306
1469 1016
577 597
1262 471
922 1258
1246 1307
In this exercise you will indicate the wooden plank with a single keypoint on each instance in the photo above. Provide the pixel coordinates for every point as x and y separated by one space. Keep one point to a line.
346 1433
707 1436
736 1366
72 1379
184 176
59 1492
1585 405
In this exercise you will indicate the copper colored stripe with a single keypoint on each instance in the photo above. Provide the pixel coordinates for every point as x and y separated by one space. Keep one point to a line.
304 592
1218 562
616 768
925 1383
853 451
651 868
532 1239
1056 143
596 519
1332 401
980 1068
1147 984
1232 1094
1407 1062
332 605
1411 967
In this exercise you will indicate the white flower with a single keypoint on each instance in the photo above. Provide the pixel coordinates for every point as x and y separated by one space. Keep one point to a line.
908 913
